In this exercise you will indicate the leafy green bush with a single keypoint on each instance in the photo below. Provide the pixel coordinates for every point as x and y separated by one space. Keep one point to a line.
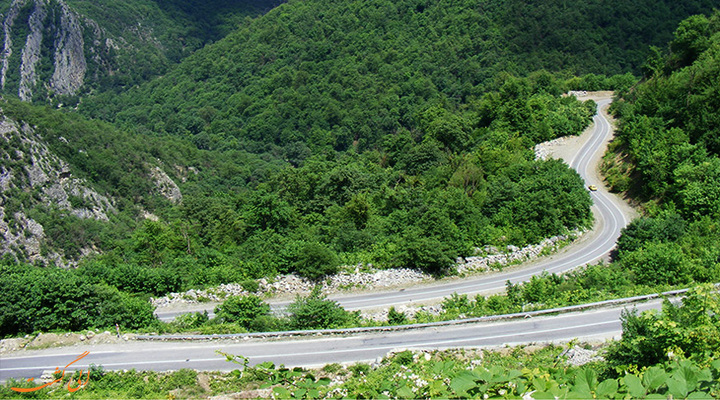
315 261
191 320
640 231
360 369
426 254
456 305
317 312
116 385
214 327
115 307
131 278
517 375
584 285
34 299
690 329
268 323
403 358
242 310
396 317
250 285
540 377
659 264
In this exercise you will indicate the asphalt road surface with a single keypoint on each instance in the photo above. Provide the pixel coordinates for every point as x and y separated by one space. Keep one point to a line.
315 351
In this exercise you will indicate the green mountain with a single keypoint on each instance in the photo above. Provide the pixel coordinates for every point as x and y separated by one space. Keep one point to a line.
670 122
58 49
329 133
70 187
350 132
342 74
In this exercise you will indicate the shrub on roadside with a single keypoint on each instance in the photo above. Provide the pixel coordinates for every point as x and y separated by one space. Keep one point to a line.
241 309
690 329
318 312
396 317
315 261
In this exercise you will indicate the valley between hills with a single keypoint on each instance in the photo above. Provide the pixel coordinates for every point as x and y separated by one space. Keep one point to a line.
242 165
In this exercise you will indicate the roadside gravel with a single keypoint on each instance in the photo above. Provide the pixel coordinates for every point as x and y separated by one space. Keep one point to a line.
362 277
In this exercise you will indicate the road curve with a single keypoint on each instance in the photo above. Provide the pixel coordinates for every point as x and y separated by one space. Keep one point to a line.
610 219
610 215
316 351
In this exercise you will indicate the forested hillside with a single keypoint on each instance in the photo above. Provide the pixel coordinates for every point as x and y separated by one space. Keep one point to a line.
326 134
343 74
332 133
87 184
666 156
665 160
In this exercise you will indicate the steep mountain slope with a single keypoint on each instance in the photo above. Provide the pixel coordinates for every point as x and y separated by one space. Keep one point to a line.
671 123
326 133
406 80
666 156
338 74
68 186
62 48
31 174
71 187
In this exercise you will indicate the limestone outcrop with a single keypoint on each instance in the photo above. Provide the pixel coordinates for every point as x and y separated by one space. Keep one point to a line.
56 37
70 65
32 176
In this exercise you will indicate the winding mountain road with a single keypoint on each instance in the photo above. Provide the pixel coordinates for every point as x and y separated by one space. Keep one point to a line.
611 215
610 212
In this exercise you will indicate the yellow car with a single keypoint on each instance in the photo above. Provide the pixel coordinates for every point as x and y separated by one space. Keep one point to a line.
592 188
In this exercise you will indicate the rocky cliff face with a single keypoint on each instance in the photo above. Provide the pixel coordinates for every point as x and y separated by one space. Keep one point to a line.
164 185
31 51
70 65
7 24
48 23
51 48
31 176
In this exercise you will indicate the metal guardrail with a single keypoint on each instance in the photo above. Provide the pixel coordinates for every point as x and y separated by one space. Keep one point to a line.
351 331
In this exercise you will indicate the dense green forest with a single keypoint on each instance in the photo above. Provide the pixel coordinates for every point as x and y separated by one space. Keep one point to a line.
165 33
664 159
666 156
403 139
418 204
343 74
129 42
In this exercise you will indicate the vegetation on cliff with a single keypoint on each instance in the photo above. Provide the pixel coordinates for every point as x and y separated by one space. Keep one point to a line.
61 50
